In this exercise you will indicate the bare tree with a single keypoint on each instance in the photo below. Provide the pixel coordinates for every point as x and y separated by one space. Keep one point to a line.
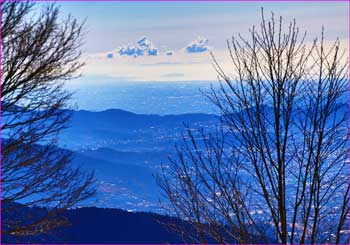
40 51
277 168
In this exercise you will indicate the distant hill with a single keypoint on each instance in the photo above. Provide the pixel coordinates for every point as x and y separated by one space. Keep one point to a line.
127 131
120 119
139 158
125 150
120 183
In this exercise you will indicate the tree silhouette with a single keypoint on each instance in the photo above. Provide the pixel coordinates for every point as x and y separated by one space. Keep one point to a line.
40 51
276 169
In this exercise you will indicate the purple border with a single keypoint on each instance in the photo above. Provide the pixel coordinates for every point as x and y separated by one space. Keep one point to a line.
156 1
242 1
0 122
348 152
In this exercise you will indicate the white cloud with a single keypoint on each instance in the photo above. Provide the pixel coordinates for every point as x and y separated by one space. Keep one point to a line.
142 47
198 45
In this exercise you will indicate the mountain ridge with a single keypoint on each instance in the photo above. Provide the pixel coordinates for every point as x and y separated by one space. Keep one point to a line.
86 225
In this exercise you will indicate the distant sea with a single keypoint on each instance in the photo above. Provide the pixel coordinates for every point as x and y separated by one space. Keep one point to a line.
144 97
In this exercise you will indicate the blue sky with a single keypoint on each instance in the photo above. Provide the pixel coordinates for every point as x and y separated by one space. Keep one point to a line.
172 26
111 23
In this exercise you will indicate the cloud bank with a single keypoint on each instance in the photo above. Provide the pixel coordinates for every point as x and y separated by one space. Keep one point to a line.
144 47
